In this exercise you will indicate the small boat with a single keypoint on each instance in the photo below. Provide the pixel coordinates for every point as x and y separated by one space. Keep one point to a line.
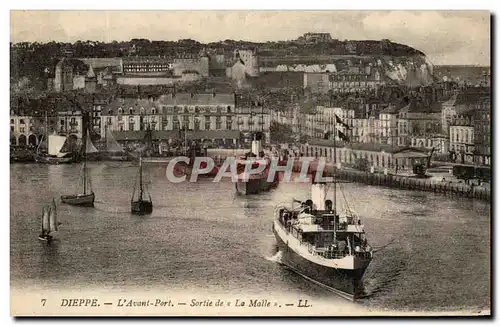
87 197
141 206
49 222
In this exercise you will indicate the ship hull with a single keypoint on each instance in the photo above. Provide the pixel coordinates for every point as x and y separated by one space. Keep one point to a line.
53 160
141 207
79 200
344 282
255 186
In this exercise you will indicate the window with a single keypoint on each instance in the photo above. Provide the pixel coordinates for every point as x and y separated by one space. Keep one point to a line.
130 111
120 111
207 122
131 126
21 130
153 111
109 121
62 122
12 128
121 127
229 123
11 121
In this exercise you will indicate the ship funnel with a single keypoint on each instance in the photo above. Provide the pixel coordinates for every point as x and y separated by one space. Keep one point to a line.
256 147
318 195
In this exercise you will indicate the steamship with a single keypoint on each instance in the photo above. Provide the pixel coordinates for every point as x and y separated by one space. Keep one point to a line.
254 183
321 244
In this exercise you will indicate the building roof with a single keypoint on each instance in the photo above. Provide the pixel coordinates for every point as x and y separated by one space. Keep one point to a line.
79 67
167 134
355 146
464 110
416 106
197 99
90 72
128 103
391 109
410 152
147 59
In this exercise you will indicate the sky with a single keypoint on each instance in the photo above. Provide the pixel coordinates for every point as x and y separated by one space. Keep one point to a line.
446 37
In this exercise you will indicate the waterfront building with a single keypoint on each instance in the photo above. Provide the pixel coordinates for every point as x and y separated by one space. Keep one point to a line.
389 125
206 117
462 135
22 132
482 132
419 118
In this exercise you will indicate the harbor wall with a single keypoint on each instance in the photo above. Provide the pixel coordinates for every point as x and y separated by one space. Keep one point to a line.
412 183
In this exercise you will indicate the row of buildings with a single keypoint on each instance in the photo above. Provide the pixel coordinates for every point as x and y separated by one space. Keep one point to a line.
457 129
207 117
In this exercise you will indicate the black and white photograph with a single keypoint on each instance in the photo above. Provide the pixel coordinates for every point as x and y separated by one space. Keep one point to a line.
326 163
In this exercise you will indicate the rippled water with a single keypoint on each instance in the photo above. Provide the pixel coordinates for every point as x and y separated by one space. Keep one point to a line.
202 236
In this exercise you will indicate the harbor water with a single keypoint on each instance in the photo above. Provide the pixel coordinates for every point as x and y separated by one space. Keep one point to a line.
433 251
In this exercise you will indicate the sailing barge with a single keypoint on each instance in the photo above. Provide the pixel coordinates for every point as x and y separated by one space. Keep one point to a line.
141 206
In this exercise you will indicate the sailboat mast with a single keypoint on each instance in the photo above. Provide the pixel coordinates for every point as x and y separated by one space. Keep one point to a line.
185 136
43 216
84 173
140 178
334 166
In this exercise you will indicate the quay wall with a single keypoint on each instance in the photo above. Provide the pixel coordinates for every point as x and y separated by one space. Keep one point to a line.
412 183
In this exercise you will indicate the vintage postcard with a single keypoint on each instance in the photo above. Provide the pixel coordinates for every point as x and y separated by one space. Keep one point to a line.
250 163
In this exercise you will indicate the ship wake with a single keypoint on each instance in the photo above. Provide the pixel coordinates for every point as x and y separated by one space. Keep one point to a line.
276 258
384 276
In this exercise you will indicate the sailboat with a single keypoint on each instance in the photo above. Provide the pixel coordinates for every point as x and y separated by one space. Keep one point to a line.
321 244
54 154
49 222
115 151
85 198
54 145
141 206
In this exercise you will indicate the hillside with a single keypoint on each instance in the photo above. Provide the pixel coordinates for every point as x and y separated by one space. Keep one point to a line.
399 62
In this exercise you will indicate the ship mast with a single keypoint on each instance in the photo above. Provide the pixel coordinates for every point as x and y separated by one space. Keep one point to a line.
140 178
334 167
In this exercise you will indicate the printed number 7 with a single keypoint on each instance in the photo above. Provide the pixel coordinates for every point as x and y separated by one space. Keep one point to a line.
43 302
